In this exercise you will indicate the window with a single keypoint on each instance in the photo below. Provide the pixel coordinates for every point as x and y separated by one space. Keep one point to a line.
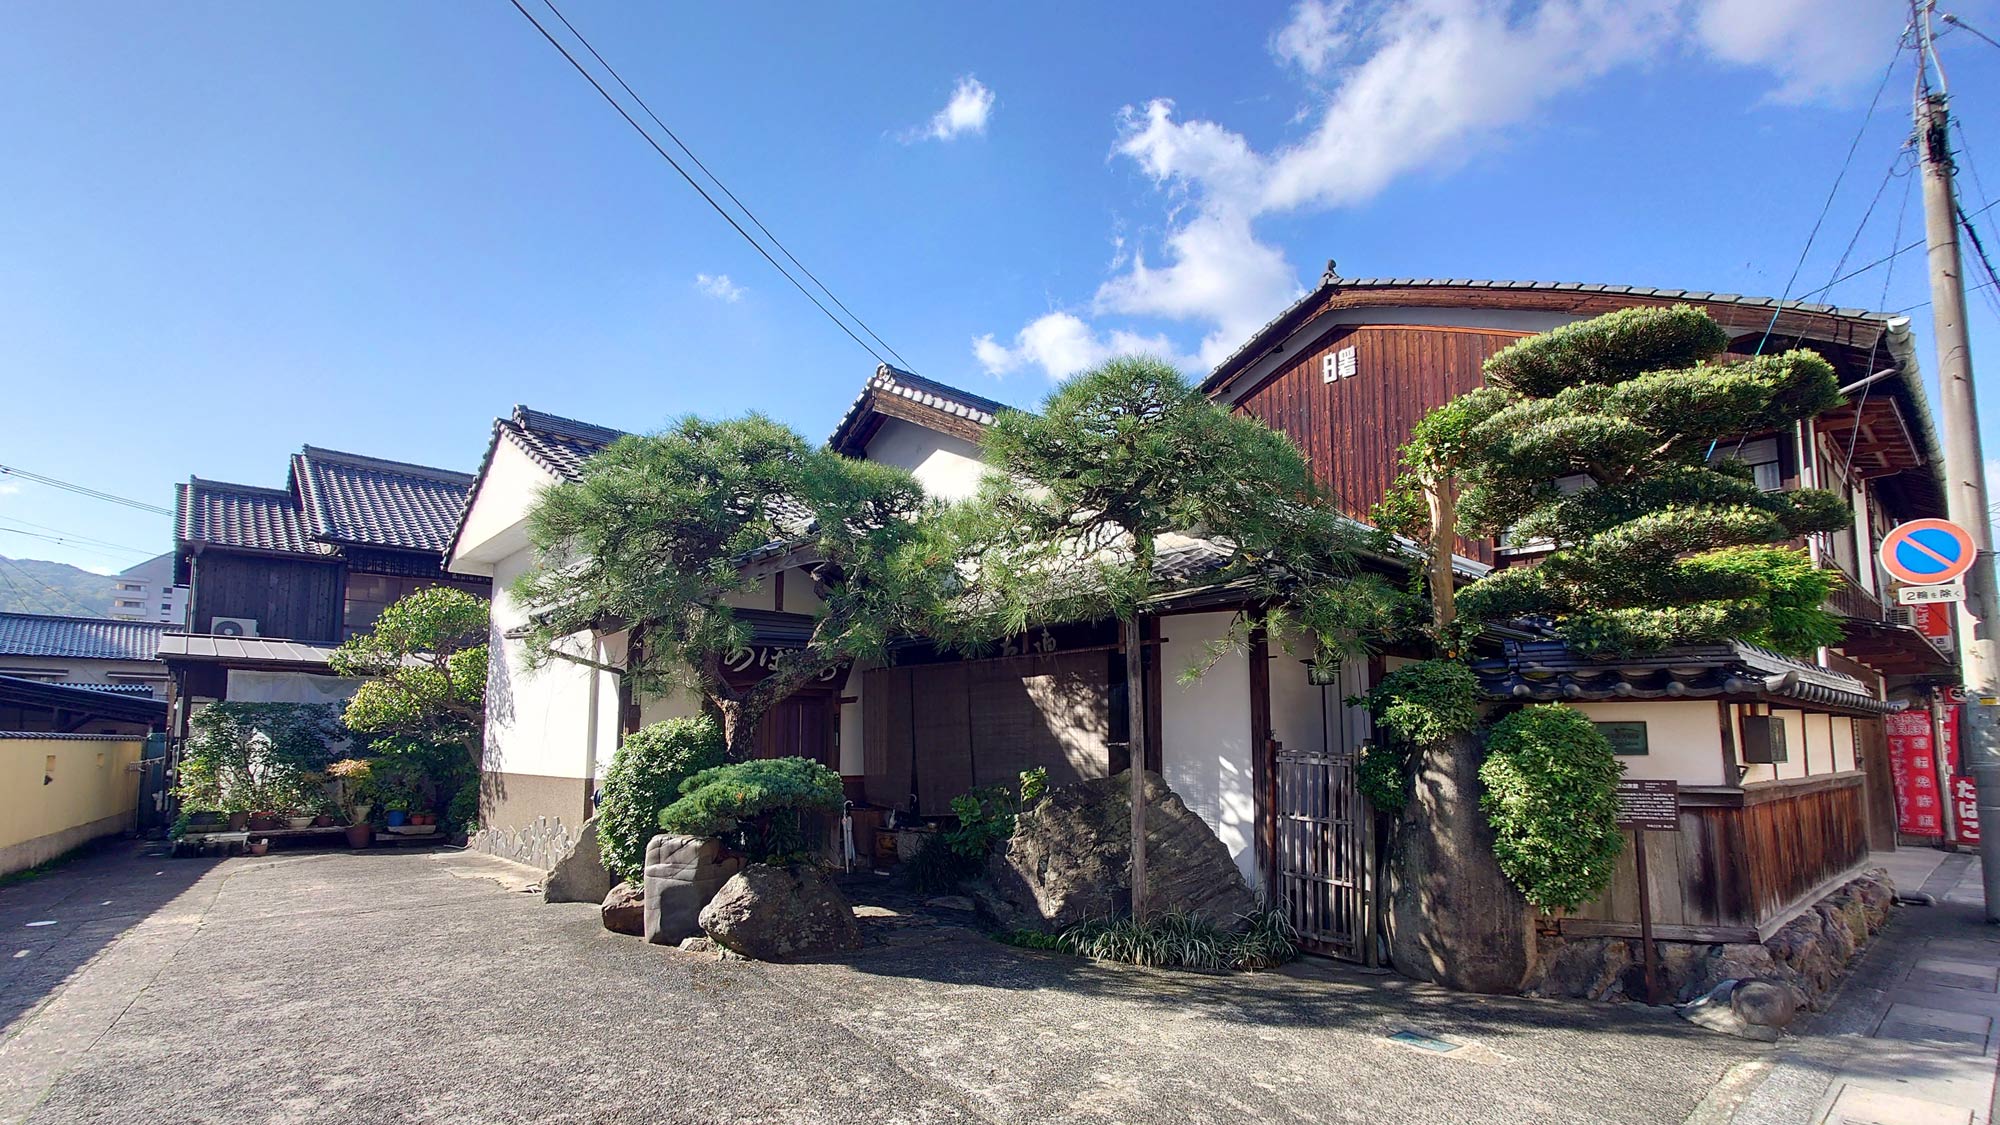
1762 457
369 594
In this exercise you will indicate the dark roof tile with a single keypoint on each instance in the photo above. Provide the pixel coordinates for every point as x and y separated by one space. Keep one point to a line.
79 638
349 498
241 515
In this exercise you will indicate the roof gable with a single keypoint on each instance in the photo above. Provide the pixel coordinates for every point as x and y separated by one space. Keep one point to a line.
348 498
241 515
895 393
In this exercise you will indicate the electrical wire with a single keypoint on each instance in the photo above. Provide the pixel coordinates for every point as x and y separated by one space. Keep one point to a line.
717 180
62 597
101 552
27 597
1883 260
703 192
82 490
78 538
1963 26
1902 43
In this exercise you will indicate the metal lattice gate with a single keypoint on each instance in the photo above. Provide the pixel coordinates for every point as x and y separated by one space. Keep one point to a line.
1325 839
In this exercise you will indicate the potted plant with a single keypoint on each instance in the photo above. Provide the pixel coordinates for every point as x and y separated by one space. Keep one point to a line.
399 811
265 821
296 820
258 846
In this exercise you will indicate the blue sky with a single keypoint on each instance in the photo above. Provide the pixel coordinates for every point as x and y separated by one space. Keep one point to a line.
234 229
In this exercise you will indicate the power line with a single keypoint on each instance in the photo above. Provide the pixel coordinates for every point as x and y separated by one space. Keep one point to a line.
1963 26
706 197
72 544
744 207
27 597
81 490
1884 259
1902 42
79 538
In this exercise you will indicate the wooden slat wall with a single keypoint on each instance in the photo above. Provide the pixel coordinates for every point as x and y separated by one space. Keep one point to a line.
1351 429
1735 868
885 736
940 736
296 600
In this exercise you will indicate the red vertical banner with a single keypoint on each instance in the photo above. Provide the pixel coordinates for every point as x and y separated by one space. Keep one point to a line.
1913 768
1964 791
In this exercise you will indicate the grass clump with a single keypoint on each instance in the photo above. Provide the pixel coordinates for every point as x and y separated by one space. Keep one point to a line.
1174 939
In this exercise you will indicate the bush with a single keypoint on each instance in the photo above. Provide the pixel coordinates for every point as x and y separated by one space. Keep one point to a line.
645 777
1383 776
985 819
938 867
1176 940
257 757
462 815
1426 703
760 804
1551 796
417 776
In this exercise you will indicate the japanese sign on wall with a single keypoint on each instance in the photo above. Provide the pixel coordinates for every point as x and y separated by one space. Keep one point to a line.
1649 804
1913 769
1964 792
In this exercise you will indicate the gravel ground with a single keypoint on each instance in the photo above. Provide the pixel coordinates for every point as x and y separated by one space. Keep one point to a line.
375 987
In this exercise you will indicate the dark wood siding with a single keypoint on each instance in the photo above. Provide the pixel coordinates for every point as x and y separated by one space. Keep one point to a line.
298 600
1740 861
1351 429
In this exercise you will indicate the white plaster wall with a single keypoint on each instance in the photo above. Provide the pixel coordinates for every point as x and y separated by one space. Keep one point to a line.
1843 744
537 720
1683 740
496 527
853 762
1205 744
949 468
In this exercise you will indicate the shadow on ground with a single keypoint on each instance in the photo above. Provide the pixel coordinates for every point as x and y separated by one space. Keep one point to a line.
51 925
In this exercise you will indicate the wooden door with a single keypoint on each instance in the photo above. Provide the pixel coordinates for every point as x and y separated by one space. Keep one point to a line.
1325 836
800 726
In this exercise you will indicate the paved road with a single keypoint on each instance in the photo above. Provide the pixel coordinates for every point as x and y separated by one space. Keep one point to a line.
357 988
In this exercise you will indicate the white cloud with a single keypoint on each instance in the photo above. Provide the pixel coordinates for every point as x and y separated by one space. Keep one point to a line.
1815 47
1061 344
1315 36
719 286
1409 86
970 105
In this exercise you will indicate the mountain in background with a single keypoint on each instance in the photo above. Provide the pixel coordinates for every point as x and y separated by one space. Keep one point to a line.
40 586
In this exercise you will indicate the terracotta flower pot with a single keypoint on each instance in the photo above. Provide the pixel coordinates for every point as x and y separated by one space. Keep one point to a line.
360 835
259 847
323 820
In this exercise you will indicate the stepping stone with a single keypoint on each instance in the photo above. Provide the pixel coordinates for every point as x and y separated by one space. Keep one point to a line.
1938 972
1857 1105
1913 1023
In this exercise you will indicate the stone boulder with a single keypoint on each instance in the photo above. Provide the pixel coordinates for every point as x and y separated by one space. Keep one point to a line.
682 874
1070 859
579 875
780 914
624 910
1747 1009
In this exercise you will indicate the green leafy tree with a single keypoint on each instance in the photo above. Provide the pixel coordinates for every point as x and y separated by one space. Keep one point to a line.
1599 442
1080 496
662 531
1551 780
425 668
645 777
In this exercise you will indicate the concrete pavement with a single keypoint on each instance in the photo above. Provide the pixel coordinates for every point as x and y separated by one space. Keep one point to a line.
1911 1037
366 987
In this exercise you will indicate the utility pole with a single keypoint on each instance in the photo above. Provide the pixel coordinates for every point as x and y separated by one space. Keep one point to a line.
1964 463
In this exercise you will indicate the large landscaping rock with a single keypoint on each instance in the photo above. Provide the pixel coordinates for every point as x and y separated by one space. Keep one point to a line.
781 913
579 876
624 910
1070 858
682 875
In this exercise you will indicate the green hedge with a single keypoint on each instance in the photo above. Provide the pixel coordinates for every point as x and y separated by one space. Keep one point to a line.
645 777
1551 796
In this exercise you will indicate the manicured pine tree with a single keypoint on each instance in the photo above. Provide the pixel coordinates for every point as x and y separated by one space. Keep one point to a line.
661 531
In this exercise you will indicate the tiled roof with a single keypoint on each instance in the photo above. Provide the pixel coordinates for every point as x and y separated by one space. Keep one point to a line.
79 638
204 646
241 515
145 690
331 498
917 389
353 499
560 445
1331 281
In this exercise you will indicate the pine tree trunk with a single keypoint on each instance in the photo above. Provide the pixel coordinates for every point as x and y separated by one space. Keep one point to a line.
739 729
1442 495
1454 917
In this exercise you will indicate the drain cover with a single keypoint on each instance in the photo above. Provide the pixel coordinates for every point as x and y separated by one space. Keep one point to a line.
1423 1042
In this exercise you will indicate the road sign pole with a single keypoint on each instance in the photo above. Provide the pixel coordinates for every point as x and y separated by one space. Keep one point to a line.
1965 481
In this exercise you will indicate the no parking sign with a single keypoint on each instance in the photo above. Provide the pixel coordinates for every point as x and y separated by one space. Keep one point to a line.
1927 552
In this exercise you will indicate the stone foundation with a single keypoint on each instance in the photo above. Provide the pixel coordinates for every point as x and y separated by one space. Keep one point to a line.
538 843
1807 955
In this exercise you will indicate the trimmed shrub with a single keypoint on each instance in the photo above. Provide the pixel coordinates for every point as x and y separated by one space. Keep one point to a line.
759 804
258 757
1551 796
646 776
1426 703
